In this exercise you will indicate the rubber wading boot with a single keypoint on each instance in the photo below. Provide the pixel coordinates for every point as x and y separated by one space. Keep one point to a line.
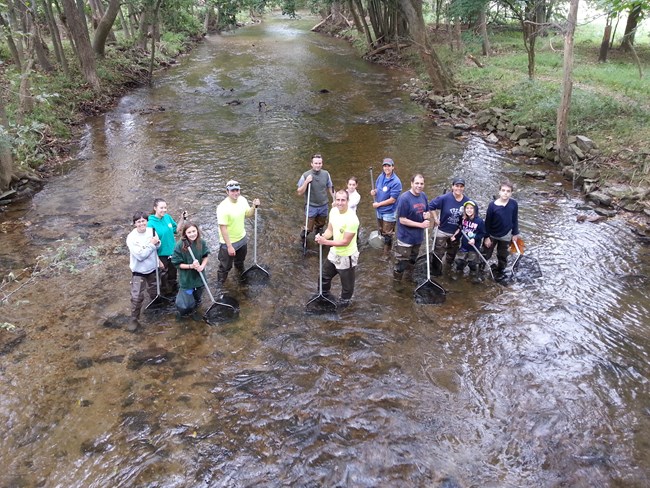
454 274
499 274
476 276
343 303
133 325
386 254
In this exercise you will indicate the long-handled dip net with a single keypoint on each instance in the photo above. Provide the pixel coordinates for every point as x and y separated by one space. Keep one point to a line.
255 275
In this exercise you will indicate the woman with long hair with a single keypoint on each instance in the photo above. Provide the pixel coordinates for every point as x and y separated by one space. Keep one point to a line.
190 284
165 228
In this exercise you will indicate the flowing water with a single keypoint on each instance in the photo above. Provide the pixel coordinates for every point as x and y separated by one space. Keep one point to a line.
539 383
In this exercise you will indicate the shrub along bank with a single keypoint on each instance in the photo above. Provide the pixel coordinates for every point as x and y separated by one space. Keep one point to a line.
41 139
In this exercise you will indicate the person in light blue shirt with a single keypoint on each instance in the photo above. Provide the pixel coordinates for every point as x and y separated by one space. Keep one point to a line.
388 188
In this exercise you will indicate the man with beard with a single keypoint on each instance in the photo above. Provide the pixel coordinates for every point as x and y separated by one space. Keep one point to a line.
316 183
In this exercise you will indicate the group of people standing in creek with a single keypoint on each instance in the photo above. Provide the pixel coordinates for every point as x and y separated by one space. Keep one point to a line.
402 218
157 260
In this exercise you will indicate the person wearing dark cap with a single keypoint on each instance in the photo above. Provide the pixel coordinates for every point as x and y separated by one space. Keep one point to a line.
388 188
231 214
450 211
318 205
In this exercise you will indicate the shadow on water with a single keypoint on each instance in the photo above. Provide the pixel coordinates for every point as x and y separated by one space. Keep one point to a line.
542 382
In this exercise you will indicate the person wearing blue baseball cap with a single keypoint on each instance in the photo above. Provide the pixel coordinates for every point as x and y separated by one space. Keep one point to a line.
388 188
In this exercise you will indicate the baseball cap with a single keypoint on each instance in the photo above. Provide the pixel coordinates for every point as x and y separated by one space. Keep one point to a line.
469 202
388 161
458 181
232 185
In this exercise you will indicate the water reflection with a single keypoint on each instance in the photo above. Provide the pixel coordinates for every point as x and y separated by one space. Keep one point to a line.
534 384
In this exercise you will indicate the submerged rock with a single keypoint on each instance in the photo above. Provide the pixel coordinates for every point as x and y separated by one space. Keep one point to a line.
600 198
9 340
83 363
607 212
152 356
538 175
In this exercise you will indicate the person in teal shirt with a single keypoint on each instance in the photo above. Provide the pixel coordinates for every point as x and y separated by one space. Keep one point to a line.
165 228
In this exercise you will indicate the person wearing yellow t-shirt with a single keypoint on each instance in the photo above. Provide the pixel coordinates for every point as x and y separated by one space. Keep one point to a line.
231 214
341 235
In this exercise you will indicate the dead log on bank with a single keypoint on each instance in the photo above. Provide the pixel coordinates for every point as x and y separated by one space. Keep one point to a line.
387 47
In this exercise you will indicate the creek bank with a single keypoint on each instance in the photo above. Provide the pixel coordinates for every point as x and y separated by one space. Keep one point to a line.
588 171
57 151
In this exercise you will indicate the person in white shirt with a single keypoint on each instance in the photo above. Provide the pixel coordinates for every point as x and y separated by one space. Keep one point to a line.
353 195
143 245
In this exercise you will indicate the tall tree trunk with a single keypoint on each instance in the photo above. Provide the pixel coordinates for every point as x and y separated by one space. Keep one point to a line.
355 17
124 24
56 37
374 13
37 42
104 27
81 8
145 23
482 25
611 42
6 159
530 38
440 77
631 26
79 32
154 36
26 100
64 23
604 44
567 85
366 29
17 58
96 12
133 19
13 22
458 36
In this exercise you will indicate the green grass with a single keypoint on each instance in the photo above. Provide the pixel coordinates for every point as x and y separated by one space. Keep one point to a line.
610 102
